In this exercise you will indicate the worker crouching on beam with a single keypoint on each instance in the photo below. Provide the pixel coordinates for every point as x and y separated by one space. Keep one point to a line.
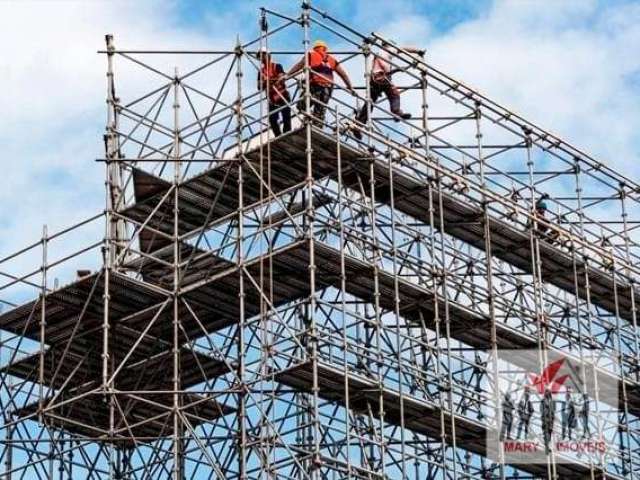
380 81
271 79
322 66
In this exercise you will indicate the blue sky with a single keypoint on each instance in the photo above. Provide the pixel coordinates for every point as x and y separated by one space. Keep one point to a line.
444 15
570 65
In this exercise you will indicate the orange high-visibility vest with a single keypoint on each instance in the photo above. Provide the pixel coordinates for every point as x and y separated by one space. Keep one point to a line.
322 66
277 89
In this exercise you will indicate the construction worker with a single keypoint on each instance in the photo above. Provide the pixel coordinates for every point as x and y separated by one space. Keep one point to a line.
525 411
569 419
584 415
541 205
541 209
380 81
607 256
507 417
548 415
271 79
322 66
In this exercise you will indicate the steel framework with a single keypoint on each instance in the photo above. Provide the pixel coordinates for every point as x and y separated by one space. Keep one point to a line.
313 305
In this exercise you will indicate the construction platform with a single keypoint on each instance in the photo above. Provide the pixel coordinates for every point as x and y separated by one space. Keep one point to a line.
213 194
138 418
316 306
75 313
416 304
418 415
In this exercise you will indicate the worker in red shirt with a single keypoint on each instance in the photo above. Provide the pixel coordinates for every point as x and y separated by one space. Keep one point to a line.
380 82
322 66
271 80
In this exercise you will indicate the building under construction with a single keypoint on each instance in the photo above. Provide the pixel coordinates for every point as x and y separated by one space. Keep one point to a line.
316 305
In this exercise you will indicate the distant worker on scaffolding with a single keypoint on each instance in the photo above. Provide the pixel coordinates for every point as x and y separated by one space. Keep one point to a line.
379 83
271 80
541 209
322 65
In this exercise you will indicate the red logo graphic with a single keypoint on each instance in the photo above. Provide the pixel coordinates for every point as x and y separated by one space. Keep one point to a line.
547 378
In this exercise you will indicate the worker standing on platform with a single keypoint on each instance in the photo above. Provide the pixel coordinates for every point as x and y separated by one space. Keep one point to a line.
541 205
271 80
569 419
584 415
507 417
525 411
322 66
548 414
380 82
541 209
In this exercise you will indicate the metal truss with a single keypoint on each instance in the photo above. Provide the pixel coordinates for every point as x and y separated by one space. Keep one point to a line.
313 305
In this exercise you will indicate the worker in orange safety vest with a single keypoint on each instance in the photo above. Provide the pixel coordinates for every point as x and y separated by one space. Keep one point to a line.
271 79
322 66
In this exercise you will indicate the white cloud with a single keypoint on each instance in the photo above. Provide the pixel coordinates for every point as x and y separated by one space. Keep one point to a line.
408 30
52 93
49 53
566 67
569 66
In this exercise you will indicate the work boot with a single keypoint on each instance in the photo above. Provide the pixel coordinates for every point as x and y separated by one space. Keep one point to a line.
401 115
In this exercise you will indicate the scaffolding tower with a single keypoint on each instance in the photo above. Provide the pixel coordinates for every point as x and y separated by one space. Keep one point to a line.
315 305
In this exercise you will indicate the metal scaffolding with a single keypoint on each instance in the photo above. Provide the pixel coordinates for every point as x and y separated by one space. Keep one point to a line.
314 305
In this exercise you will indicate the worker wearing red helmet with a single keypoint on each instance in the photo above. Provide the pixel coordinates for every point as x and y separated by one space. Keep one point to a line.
322 66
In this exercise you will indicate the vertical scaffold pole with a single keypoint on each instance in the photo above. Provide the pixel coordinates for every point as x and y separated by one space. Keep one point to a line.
623 411
43 321
8 459
536 268
368 106
242 393
263 428
630 276
343 292
435 176
636 349
310 214
441 316
587 288
376 261
489 271
398 324
178 453
111 236
112 145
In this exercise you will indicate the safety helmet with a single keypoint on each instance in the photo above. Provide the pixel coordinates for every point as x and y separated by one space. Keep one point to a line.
319 44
